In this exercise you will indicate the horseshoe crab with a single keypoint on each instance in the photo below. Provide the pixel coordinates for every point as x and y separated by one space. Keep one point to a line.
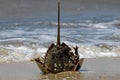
60 57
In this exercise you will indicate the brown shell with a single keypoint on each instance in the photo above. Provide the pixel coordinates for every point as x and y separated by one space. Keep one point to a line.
60 58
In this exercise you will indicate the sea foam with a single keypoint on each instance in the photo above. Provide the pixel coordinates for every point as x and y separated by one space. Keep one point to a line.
26 53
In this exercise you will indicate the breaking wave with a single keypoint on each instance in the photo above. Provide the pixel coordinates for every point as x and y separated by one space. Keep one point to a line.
12 53
84 24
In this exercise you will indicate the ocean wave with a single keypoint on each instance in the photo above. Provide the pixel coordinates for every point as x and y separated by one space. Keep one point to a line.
90 23
85 24
99 51
53 23
20 53
113 37
13 53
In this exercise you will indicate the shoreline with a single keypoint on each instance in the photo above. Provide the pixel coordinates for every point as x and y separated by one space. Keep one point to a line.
92 69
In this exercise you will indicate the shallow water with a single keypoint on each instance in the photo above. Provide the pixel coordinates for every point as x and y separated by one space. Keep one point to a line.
27 29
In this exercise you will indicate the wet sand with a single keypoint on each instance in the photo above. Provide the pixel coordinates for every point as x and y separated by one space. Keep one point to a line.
92 69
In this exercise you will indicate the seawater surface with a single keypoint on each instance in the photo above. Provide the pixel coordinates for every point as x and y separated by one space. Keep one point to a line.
92 25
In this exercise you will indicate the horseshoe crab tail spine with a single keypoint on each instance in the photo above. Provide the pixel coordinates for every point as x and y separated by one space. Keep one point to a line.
58 32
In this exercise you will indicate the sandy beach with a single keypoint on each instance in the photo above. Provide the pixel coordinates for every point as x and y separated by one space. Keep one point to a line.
92 69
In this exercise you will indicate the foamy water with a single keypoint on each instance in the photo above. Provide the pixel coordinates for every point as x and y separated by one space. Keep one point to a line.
12 53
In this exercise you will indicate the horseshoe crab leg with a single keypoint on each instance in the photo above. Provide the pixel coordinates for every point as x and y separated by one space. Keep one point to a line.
78 65
41 66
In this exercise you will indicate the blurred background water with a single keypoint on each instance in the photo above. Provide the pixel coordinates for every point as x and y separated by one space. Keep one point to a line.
28 27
